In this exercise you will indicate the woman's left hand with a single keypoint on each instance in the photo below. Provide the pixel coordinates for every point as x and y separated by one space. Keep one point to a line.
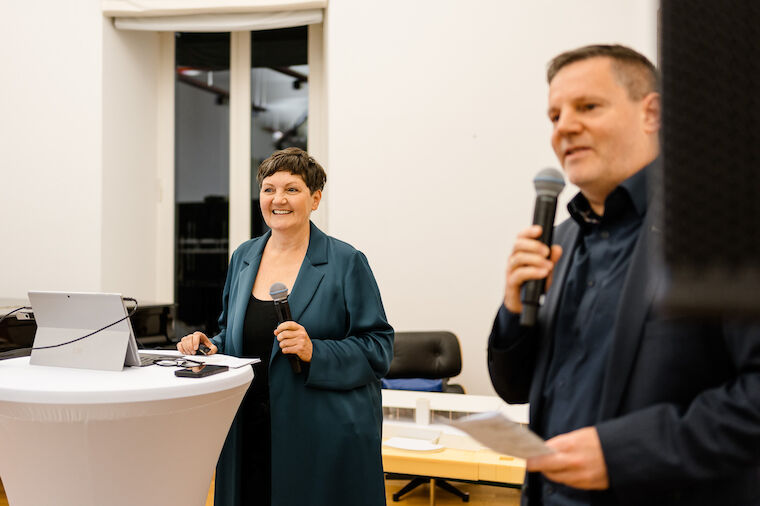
294 339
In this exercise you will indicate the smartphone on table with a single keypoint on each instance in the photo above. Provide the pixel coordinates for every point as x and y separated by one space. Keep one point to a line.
200 371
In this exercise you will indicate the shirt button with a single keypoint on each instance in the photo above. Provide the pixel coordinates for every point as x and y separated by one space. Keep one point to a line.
605 234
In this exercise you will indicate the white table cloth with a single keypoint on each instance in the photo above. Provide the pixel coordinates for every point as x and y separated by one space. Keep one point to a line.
140 436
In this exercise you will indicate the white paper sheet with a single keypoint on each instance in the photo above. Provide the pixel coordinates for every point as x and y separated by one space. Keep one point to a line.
219 359
418 445
502 435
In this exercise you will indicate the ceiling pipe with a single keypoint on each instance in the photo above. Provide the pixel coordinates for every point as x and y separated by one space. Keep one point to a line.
300 78
222 95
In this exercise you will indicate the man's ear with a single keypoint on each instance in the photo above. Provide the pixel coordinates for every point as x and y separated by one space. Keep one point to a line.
651 108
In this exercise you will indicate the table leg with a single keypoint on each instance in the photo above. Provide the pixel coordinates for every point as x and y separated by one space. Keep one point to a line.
432 491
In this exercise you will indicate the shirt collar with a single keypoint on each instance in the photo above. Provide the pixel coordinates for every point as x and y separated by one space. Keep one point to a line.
635 187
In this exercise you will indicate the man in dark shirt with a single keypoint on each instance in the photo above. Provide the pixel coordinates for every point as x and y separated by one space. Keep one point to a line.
638 408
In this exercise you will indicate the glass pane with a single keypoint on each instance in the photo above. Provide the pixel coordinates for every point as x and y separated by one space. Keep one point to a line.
280 95
201 178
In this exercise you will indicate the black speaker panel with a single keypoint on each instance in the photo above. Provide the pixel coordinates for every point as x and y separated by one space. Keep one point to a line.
710 62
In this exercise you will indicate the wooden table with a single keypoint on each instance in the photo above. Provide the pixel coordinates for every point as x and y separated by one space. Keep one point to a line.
461 459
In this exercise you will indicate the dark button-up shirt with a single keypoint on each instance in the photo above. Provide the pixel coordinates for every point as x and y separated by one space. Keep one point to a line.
586 314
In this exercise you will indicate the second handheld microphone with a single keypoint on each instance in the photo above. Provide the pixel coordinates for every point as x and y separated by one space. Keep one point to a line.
549 183
279 294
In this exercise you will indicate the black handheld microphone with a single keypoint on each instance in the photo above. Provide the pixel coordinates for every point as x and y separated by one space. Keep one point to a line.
549 184
279 294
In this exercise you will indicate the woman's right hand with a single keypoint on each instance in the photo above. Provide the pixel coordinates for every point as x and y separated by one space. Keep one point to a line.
188 345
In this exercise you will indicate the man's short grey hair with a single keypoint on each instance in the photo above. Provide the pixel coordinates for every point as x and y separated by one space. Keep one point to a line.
632 69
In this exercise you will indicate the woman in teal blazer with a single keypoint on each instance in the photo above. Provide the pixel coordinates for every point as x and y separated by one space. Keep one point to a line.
325 421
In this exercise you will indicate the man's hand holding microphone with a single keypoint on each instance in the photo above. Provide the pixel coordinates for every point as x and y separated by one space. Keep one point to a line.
530 260
533 257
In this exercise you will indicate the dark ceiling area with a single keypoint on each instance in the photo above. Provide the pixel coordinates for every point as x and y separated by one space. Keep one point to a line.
283 47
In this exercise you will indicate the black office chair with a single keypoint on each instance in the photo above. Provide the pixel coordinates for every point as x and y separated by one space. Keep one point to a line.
429 355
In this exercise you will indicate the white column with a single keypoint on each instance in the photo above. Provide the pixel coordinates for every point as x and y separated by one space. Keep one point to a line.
165 170
317 134
240 139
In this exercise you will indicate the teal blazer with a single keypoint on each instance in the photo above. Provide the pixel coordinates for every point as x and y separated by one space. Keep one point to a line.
326 421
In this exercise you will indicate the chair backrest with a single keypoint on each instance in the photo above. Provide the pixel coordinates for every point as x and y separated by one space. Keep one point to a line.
430 354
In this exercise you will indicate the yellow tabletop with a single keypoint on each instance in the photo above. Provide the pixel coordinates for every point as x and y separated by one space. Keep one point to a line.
462 464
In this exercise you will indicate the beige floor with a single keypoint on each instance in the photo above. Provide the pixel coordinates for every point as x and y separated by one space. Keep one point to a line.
480 495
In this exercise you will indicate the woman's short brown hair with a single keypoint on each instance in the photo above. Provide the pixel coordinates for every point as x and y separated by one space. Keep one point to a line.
297 162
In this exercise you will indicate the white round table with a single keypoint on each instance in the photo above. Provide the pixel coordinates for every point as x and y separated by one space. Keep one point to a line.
141 436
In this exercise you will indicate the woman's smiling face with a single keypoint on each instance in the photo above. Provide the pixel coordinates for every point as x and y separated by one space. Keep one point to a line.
286 202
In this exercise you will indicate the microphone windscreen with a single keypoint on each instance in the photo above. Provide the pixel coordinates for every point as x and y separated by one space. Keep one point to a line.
278 291
549 182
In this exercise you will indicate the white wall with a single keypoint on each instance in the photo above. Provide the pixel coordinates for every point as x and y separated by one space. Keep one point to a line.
78 161
436 127
50 162
130 181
